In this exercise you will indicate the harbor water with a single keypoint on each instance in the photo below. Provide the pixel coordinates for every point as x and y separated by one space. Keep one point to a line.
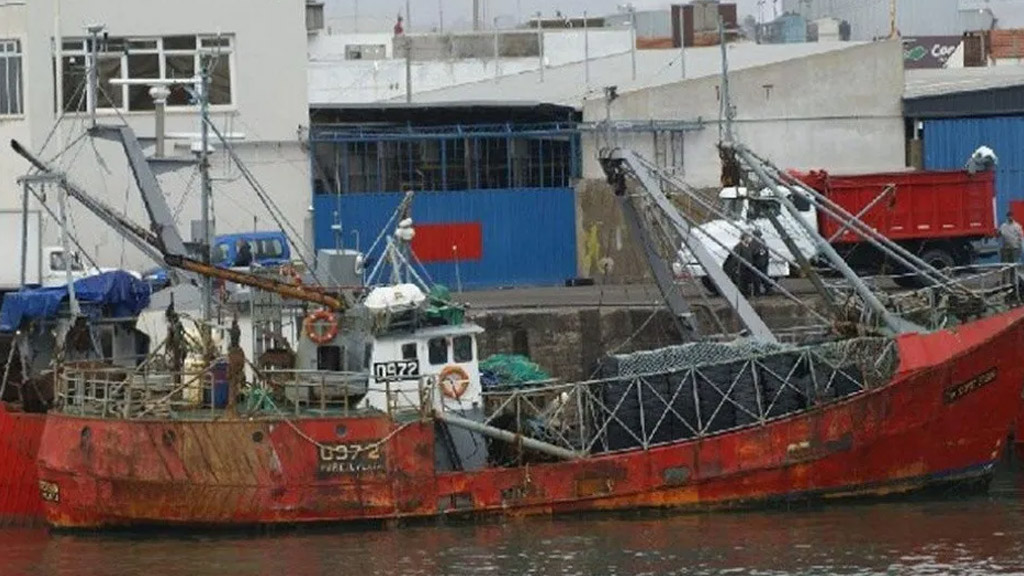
981 533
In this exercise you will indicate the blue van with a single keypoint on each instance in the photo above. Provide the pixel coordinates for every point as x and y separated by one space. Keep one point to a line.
268 249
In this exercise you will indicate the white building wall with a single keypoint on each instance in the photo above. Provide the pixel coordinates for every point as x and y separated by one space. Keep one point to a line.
871 18
269 107
333 79
792 112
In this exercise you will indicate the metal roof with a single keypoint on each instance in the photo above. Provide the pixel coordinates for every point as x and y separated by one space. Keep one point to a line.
963 92
442 113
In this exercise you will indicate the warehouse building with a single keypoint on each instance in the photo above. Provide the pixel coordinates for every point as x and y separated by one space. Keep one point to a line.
494 203
950 113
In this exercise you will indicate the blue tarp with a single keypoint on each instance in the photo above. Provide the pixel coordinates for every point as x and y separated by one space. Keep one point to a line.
115 294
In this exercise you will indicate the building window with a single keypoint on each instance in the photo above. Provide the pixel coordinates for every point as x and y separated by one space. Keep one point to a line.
365 52
166 58
10 78
486 157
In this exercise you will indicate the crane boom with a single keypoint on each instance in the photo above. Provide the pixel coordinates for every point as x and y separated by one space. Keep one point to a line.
285 289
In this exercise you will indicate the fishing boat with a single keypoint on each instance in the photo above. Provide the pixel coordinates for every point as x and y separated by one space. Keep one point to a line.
40 331
389 419
688 427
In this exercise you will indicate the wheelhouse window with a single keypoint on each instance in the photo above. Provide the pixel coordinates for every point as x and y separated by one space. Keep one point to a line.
437 350
10 78
409 351
462 349
165 58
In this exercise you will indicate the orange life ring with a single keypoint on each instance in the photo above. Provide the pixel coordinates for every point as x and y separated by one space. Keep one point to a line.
291 274
454 382
321 316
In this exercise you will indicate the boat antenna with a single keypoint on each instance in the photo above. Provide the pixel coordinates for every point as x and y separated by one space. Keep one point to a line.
92 94
725 109
206 189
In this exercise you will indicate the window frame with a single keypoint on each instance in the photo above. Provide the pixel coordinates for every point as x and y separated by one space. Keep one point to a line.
147 45
430 351
456 357
12 52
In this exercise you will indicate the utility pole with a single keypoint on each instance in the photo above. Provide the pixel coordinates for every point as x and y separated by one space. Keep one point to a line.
682 47
540 46
892 18
586 51
408 68
497 51
203 92
408 16
725 106
440 16
93 88
632 36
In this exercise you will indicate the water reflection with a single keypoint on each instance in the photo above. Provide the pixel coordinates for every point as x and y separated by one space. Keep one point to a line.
976 535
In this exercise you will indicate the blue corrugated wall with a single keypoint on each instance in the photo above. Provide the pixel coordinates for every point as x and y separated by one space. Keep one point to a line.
528 235
948 143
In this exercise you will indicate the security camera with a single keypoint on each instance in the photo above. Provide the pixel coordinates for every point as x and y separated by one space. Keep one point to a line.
95 28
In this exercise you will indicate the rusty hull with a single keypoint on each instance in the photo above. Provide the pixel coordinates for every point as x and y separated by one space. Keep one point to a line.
20 434
943 418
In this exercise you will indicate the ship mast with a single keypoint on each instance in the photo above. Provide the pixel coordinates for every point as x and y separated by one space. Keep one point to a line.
202 93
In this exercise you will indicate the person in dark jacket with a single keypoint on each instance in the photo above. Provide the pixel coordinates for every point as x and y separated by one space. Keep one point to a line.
760 261
739 268
244 256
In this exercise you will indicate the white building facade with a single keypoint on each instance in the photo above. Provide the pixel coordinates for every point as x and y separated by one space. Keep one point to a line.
258 95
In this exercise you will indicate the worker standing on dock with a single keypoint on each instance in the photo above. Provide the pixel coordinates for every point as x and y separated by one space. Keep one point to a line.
1011 237
761 285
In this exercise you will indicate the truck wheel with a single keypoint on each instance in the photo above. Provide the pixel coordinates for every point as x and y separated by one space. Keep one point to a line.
939 259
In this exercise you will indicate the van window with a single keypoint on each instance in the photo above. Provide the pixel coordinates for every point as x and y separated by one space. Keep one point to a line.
462 348
269 248
222 254
437 350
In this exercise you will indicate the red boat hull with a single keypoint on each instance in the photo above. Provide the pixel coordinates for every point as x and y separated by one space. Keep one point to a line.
20 434
942 418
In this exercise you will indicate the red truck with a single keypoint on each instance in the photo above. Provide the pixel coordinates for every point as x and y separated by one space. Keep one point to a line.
938 215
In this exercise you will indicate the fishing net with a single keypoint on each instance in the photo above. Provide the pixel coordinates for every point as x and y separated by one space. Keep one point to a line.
510 370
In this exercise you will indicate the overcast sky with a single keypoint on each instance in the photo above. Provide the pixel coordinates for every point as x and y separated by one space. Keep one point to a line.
379 15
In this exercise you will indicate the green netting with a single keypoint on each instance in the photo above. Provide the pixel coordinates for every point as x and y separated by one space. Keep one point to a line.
440 306
511 369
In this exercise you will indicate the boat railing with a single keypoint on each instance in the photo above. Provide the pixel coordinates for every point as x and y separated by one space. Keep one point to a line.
642 406
115 392
974 292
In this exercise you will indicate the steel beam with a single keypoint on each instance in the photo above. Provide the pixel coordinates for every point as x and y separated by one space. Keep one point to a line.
652 186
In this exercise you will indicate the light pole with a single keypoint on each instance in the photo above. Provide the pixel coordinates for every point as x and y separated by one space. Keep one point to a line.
629 9
540 45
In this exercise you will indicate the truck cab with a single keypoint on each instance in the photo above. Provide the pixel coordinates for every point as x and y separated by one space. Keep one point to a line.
55 264
746 213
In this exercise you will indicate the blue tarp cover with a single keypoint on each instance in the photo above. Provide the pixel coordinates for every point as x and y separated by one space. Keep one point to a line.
115 294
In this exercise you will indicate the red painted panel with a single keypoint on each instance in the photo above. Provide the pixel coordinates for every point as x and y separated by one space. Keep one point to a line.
1017 209
20 434
434 242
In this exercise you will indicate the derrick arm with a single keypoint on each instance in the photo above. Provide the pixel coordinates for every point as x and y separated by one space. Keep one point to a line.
267 284
620 163
161 219
136 234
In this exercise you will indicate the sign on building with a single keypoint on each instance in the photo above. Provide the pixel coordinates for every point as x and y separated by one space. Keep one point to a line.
933 52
